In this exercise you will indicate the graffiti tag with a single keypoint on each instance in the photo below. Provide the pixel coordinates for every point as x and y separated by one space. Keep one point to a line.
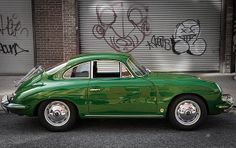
127 38
159 41
12 26
13 49
185 39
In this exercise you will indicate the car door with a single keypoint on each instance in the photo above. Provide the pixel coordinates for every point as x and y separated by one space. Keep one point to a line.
75 84
115 91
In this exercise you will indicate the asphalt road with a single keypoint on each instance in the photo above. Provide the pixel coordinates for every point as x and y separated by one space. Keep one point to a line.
21 131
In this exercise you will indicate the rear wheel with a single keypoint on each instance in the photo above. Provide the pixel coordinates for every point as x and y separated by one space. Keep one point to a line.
57 115
187 112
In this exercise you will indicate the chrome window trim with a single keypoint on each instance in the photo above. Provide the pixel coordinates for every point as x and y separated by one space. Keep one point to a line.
79 78
91 69
127 70
130 68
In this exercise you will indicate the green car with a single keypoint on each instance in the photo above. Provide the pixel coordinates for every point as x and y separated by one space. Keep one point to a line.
102 85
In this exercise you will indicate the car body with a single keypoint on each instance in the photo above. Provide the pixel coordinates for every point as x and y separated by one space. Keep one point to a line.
113 85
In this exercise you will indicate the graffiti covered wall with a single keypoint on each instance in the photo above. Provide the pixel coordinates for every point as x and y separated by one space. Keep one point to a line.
164 35
16 38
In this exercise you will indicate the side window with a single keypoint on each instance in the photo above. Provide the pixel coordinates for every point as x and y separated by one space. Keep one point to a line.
79 71
106 69
110 69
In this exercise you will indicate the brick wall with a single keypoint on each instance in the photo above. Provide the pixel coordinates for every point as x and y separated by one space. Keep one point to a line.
48 30
69 18
55 31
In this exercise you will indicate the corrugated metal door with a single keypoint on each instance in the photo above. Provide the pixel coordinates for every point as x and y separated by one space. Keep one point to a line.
16 37
163 35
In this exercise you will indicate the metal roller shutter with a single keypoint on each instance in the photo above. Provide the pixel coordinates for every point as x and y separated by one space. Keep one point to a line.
16 37
163 35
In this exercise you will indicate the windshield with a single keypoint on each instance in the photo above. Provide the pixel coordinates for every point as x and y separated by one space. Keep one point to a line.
30 74
136 67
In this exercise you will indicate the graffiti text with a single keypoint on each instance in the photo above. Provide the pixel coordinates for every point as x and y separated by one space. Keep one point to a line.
13 49
11 26
159 41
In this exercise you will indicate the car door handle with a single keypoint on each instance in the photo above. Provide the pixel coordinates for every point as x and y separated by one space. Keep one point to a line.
94 89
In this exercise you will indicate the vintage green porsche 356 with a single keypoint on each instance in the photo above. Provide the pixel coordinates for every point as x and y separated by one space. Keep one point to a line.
113 85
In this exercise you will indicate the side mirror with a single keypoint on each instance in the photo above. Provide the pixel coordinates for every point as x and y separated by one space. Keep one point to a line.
148 70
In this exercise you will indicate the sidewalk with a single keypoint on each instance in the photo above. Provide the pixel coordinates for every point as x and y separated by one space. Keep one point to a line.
226 81
7 85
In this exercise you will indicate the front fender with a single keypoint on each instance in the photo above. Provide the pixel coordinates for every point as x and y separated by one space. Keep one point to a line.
169 90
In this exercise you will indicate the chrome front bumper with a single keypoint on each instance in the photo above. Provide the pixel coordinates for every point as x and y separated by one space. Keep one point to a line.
8 106
227 98
229 103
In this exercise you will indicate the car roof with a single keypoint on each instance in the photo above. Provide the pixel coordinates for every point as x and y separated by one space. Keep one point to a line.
100 55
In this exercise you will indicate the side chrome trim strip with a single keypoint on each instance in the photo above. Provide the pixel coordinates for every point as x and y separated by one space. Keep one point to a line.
126 116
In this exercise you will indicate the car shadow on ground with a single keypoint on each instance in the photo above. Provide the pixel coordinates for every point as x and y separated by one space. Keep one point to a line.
211 123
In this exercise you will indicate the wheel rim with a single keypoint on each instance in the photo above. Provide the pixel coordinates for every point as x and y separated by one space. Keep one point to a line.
187 112
57 113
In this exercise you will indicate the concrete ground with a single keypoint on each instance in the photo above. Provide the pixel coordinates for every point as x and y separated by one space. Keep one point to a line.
25 132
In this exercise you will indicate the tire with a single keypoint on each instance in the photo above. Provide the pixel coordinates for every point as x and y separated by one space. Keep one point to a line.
187 112
62 117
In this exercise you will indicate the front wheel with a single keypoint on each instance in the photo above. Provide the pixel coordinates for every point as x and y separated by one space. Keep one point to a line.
57 115
187 112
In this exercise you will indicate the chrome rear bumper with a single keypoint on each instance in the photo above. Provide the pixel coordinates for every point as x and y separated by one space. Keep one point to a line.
7 104
4 103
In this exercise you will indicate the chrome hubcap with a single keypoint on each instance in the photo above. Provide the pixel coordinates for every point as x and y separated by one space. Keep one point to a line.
57 113
187 112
